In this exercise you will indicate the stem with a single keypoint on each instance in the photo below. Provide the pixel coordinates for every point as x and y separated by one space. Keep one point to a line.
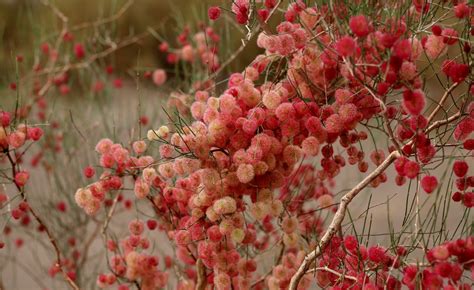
441 102
201 278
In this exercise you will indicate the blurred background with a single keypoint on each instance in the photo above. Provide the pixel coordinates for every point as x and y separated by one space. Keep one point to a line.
25 24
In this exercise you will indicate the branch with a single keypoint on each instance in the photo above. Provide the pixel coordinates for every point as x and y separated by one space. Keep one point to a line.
441 102
52 240
326 269
201 278
338 218
440 123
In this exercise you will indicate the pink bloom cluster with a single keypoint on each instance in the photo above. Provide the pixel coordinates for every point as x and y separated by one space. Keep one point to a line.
130 261
200 47
240 164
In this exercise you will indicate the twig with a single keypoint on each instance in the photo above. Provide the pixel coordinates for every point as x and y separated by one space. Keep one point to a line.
338 218
441 102
52 240
440 123
109 217
326 269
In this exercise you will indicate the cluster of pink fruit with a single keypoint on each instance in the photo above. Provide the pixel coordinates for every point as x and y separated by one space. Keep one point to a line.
214 187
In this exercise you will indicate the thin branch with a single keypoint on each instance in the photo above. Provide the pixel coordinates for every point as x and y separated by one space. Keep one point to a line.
326 269
441 102
52 240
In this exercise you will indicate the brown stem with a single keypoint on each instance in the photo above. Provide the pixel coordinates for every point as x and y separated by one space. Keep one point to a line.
441 102
340 275
201 278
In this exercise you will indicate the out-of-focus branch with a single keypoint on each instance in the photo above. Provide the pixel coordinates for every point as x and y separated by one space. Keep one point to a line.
94 57
89 61
338 218
106 20
59 40
52 240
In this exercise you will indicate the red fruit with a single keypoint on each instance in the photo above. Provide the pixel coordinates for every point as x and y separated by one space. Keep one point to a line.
89 171
382 88
421 5
400 180
214 233
144 120
414 101
461 10
79 51
351 244
468 199
469 144
359 25
457 196
437 30
16 213
151 224
242 18
44 48
429 183
23 206
457 72
5 119
214 12
19 243
450 36
460 168
400 165
61 206
346 46
71 275
270 3
21 178
64 89
118 83
263 14
377 254
402 49
109 69
411 169
35 133
401 251
440 252
443 269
